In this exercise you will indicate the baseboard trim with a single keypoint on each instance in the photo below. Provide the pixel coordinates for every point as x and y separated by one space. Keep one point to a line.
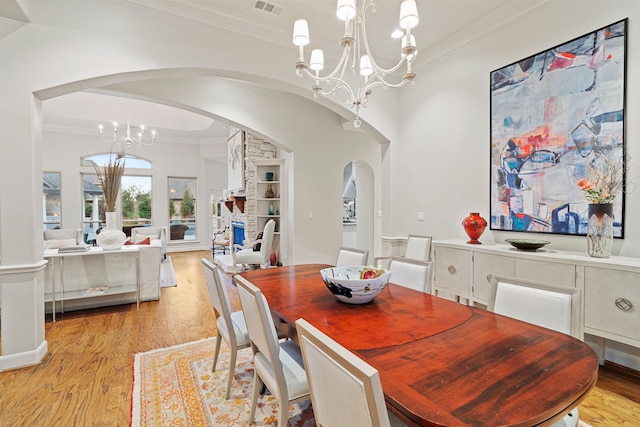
24 359
622 370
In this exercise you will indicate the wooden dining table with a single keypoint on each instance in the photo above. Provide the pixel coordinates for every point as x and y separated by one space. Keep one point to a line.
441 363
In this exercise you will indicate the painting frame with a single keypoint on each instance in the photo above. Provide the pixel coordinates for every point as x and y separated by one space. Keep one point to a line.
235 160
552 114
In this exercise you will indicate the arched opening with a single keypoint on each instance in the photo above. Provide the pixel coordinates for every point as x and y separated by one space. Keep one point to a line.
357 201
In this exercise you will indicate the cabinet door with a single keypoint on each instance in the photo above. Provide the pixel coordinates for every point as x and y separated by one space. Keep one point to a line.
484 265
452 268
544 271
612 302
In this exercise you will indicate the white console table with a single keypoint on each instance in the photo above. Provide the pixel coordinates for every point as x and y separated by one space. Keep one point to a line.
610 286
101 268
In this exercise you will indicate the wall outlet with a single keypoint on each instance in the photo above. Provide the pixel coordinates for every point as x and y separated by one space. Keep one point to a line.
420 216
310 214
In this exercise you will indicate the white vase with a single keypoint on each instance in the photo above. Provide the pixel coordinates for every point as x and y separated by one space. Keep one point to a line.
111 238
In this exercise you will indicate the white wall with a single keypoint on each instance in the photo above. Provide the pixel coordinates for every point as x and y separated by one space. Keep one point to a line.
440 163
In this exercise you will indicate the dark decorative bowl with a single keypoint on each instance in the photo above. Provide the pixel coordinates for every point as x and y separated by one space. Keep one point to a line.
526 244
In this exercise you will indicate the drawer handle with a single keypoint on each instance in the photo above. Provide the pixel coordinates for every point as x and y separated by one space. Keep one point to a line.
624 304
451 269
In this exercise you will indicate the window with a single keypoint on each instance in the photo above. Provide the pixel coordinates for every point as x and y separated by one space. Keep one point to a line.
135 197
134 201
92 204
52 206
182 208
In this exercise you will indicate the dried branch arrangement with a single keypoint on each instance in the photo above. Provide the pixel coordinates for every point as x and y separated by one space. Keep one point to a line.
109 177
604 179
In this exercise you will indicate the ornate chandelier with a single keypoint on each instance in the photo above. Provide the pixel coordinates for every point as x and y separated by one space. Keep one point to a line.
357 65
128 140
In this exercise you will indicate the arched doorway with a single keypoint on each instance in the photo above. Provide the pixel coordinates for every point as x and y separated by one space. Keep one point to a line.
357 200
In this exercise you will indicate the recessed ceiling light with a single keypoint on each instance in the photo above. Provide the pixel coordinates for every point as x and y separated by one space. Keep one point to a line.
396 34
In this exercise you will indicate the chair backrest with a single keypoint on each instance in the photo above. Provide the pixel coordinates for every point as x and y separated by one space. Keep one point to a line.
345 390
418 247
550 306
177 231
140 233
217 291
411 273
154 233
262 331
267 240
66 236
350 256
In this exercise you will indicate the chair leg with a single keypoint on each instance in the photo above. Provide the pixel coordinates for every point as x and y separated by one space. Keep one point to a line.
232 369
257 383
284 412
215 356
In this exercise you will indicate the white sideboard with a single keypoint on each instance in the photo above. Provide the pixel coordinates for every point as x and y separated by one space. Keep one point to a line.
611 286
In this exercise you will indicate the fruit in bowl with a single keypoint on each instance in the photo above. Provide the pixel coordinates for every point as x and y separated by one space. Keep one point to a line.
355 284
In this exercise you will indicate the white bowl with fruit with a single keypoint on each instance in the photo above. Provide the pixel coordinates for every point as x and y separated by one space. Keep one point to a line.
355 284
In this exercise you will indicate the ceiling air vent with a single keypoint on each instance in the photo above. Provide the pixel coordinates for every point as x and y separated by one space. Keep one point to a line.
267 7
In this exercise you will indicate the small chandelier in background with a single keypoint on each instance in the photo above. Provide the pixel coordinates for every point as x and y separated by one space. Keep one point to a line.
128 140
356 58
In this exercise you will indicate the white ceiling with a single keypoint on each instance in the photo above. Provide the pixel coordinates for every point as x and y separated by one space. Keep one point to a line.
444 25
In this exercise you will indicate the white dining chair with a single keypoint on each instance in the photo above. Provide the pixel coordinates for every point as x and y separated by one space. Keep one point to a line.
351 256
418 248
277 364
230 326
345 390
411 273
550 306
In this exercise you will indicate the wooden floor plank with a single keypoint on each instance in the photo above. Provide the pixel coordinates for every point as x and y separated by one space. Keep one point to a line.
86 377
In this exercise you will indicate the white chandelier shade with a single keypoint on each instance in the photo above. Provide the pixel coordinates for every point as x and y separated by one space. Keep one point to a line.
357 72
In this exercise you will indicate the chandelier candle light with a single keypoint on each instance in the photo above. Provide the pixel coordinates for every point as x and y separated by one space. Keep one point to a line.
356 59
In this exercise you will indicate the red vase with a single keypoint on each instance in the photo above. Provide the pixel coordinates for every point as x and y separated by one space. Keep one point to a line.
474 226
273 259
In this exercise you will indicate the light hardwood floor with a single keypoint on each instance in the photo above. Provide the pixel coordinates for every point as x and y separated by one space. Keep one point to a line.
86 378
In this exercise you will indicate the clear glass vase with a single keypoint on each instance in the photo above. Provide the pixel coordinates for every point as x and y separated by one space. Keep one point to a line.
600 230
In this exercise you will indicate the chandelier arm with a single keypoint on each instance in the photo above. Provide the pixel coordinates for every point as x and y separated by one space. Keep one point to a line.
377 79
337 83
340 67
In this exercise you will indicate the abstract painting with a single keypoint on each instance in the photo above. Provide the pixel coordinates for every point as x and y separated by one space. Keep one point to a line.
235 155
555 115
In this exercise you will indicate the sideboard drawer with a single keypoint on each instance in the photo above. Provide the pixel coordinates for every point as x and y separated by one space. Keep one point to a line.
545 271
612 301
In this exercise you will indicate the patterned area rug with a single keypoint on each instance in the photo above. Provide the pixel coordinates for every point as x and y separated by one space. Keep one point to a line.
175 387
167 274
